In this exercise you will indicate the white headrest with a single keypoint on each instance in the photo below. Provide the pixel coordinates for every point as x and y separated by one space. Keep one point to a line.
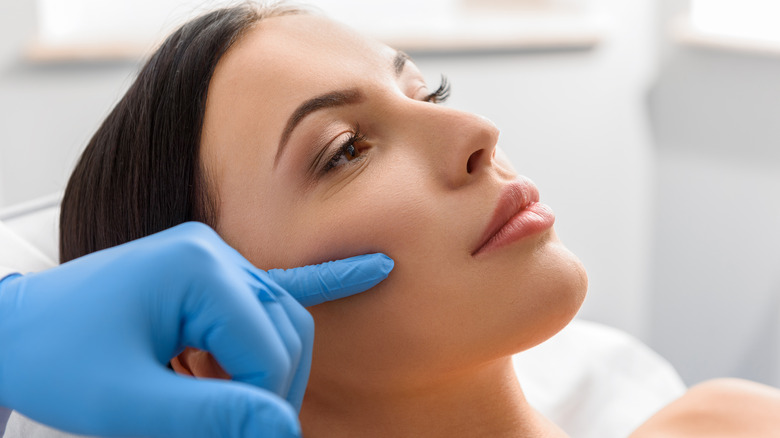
28 235
19 255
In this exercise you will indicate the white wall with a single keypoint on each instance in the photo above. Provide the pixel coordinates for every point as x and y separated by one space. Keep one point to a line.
47 112
716 266
12 35
2 202
572 121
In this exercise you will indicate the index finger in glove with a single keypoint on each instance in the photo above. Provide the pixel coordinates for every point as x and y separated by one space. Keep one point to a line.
315 284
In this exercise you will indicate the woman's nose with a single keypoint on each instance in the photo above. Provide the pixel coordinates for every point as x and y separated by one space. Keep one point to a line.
463 145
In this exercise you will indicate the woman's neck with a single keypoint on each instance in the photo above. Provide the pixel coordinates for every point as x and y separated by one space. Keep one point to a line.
487 401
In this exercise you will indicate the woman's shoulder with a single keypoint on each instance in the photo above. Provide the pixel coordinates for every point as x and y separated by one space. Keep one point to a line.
718 408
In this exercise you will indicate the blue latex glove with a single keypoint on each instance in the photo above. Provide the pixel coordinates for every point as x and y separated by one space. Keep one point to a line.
84 346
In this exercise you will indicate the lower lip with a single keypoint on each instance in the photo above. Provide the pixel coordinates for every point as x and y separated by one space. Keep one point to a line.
533 219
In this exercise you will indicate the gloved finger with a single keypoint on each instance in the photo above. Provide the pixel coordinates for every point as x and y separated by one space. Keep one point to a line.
304 326
170 405
315 284
289 336
237 330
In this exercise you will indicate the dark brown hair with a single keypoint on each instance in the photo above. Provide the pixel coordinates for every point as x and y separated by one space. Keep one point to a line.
140 172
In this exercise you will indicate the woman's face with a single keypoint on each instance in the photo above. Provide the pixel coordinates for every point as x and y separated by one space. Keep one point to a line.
421 185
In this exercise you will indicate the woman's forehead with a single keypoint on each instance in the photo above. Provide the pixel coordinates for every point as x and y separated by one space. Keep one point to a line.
304 46
285 60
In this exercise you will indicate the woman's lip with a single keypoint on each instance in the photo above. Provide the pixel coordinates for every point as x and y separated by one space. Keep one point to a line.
517 215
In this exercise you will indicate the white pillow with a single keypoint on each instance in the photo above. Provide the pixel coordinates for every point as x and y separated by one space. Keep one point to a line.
595 381
39 227
16 254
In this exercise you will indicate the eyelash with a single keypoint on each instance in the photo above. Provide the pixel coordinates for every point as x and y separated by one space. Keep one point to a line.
442 93
348 148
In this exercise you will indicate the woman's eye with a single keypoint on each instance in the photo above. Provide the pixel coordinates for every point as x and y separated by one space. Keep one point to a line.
441 94
346 152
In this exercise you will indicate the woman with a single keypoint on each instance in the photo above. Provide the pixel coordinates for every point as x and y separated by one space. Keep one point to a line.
300 141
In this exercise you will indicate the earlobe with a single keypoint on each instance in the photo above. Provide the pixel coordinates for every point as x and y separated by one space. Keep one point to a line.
198 363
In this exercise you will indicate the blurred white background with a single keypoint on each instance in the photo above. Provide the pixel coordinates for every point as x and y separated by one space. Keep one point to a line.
651 129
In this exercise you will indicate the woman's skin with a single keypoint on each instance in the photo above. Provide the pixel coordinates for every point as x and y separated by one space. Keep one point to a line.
721 408
428 351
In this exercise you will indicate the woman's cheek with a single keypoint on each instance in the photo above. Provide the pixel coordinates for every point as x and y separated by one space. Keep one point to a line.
339 236
384 221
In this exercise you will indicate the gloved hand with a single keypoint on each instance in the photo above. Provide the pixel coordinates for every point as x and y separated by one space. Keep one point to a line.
84 346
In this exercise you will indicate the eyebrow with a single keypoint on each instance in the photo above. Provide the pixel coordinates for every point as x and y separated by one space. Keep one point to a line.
332 99
328 100
399 61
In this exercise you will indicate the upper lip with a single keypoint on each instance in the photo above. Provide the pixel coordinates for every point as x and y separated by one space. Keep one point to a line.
513 198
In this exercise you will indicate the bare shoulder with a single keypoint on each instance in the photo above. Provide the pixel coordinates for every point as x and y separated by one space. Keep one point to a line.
718 408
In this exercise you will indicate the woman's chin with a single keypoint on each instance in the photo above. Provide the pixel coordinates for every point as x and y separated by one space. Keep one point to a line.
557 293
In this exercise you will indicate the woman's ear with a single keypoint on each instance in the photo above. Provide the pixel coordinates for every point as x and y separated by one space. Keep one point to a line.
198 363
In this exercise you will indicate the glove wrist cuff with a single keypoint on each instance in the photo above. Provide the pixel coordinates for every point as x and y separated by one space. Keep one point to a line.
8 286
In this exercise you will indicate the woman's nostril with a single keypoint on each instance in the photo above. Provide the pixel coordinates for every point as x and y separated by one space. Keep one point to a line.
473 161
